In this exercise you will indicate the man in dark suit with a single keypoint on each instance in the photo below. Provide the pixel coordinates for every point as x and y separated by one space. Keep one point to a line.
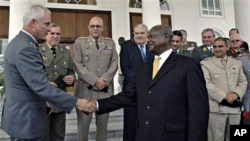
131 57
24 115
206 50
172 106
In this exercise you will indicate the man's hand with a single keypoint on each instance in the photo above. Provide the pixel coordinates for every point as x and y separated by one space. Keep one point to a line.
101 83
87 106
53 83
68 79
231 97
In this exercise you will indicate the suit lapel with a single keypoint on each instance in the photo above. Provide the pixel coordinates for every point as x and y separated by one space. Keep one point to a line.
167 65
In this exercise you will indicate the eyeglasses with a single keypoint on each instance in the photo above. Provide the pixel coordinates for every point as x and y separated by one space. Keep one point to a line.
95 26
234 41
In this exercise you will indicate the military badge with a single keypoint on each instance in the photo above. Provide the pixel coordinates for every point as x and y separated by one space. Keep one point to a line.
204 49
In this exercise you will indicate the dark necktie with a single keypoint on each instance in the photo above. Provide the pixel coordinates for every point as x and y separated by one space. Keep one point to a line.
96 44
53 51
143 53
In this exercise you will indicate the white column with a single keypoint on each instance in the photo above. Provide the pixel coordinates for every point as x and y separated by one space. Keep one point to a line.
242 19
151 13
17 10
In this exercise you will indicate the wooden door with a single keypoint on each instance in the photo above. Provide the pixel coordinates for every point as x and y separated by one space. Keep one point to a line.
74 23
136 18
4 20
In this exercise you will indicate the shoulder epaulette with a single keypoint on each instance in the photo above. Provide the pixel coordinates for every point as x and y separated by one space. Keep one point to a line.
107 38
82 37
208 58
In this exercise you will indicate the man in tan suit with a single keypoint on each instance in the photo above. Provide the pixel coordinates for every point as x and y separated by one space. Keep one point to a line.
226 84
96 63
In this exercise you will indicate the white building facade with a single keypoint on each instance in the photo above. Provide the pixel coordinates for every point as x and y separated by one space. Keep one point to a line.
191 15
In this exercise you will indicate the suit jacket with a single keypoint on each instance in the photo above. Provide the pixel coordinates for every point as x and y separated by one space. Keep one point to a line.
57 68
201 53
131 59
221 80
90 64
27 90
171 107
246 69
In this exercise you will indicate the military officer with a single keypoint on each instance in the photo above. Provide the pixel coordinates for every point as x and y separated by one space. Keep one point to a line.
226 84
206 50
59 68
187 46
235 46
96 63
176 44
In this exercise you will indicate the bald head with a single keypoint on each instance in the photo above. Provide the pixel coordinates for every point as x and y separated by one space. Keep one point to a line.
96 20
95 27
235 41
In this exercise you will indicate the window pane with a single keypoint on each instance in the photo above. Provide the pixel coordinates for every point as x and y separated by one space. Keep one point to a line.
211 4
135 4
164 5
217 5
87 2
204 4
205 12
211 12
218 13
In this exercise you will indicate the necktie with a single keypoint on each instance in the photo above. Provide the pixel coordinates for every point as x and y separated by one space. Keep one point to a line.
156 66
37 46
224 62
143 53
175 51
53 51
96 44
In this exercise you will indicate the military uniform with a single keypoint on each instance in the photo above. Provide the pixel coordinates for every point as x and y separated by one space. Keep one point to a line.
187 48
57 68
233 53
221 80
201 53
90 64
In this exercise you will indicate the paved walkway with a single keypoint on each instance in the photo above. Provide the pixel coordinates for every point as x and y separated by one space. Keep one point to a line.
115 126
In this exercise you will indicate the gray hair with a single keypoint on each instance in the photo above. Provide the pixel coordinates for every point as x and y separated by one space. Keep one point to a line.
208 30
35 12
141 26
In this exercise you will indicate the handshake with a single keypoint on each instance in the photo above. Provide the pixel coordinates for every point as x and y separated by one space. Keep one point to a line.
87 105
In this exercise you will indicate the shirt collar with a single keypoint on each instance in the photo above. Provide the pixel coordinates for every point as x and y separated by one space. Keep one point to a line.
30 36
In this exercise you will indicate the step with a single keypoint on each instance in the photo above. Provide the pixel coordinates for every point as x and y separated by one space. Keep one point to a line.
115 126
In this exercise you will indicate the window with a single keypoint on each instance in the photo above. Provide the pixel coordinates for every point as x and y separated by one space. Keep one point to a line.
164 5
211 7
138 4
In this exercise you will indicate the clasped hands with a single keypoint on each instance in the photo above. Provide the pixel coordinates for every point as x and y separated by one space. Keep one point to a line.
86 105
100 84
231 97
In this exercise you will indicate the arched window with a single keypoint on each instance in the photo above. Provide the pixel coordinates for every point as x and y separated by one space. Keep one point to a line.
87 2
138 4
164 5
